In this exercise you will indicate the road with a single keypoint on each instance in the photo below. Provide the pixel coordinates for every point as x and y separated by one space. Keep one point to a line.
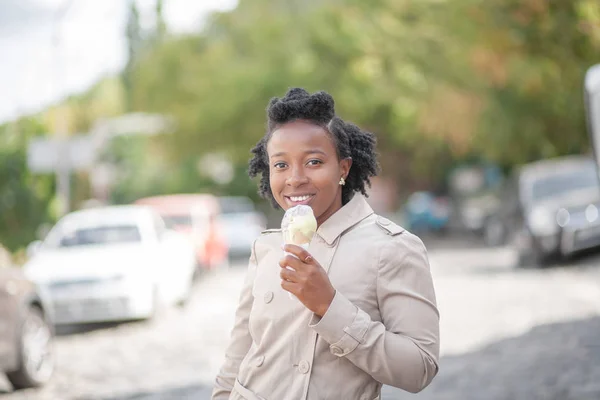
506 334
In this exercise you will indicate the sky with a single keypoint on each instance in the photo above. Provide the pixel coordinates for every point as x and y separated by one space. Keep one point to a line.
44 58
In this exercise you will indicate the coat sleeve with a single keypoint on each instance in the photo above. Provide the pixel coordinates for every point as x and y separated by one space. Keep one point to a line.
403 349
240 340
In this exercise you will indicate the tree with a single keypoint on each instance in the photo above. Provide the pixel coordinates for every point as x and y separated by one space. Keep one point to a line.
161 27
134 44
529 59
26 199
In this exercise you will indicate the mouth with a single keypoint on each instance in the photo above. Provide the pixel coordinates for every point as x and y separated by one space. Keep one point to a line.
304 199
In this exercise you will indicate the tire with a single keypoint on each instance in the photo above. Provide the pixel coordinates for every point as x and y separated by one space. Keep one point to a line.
36 357
181 303
533 259
198 273
494 233
441 232
157 306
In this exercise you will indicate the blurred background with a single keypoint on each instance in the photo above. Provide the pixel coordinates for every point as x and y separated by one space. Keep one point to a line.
125 124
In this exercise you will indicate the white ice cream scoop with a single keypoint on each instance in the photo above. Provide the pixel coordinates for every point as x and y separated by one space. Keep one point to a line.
298 226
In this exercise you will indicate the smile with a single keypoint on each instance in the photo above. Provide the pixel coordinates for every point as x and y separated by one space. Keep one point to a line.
295 200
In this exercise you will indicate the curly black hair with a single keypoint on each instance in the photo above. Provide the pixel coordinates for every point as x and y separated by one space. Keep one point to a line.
318 108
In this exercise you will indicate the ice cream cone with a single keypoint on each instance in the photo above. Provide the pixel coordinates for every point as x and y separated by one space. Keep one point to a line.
298 226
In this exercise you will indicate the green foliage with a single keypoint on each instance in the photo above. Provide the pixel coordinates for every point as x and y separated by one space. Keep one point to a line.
143 170
531 58
25 198
440 82
433 79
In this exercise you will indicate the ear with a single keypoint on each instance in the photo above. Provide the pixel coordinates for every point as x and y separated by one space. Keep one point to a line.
345 166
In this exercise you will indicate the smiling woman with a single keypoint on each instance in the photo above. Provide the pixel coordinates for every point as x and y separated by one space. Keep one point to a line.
363 311
328 146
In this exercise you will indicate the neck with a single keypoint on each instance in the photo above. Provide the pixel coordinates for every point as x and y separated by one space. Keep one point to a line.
335 206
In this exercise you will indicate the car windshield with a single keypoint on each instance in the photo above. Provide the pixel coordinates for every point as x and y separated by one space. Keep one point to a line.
97 235
560 183
172 221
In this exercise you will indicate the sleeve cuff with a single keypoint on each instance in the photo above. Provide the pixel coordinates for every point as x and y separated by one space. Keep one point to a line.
343 326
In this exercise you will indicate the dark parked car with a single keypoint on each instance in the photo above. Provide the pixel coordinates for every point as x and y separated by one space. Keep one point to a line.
26 331
548 210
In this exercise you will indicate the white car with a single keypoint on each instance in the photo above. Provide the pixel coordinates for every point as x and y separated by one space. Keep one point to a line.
112 263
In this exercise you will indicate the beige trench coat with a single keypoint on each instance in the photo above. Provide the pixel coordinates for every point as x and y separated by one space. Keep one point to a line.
381 328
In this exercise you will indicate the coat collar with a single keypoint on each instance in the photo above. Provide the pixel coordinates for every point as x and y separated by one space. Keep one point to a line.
346 217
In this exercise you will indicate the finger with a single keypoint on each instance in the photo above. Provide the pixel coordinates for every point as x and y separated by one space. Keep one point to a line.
299 252
291 287
290 261
288 275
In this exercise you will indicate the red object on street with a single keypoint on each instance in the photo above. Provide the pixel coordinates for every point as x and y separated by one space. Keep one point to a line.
195 215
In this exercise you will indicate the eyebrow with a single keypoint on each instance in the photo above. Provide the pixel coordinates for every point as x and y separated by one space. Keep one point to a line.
311 151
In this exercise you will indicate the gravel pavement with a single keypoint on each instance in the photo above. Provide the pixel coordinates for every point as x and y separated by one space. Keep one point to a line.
177 353
507 334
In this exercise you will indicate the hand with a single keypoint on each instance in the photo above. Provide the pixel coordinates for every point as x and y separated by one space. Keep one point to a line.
308 281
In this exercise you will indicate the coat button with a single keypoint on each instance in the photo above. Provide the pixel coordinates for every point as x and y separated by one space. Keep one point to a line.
268 297
303 367
336 351
259 361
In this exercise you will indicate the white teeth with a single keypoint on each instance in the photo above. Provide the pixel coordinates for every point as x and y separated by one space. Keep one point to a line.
300 198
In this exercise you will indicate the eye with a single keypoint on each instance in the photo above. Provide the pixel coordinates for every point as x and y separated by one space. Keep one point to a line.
314 162
279 165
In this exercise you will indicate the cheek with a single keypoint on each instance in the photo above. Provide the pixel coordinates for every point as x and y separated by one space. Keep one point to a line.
276 181
325 179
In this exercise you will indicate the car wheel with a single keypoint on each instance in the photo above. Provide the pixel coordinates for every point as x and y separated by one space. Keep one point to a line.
159 305
493 233
184 300
156 303
36 357
533 259
441 231
198 272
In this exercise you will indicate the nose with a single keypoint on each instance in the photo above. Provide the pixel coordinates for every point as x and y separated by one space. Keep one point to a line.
297 177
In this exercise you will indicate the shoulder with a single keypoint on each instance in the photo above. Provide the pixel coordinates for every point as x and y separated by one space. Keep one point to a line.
373 233
268 240
388 227
379 229
396 233
380 233
270 232
269 236
399 245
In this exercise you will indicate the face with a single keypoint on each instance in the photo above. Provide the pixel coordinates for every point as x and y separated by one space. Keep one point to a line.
304 169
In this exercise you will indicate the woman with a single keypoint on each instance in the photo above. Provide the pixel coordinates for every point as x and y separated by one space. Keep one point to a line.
363 312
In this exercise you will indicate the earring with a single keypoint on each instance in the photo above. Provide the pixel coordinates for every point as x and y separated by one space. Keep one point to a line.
342 181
